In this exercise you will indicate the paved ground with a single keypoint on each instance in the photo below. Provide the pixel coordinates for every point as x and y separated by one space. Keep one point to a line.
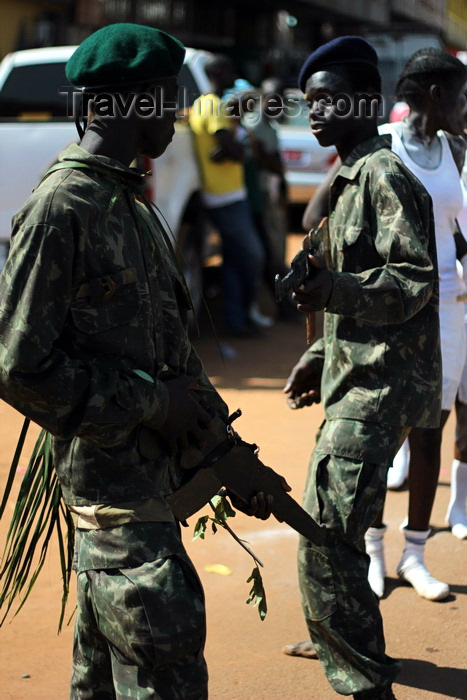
244 654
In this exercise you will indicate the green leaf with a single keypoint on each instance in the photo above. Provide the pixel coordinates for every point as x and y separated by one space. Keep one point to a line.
222 508
200 527
38 515
257 593
14 465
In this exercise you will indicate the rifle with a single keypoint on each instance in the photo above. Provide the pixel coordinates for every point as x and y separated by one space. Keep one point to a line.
230 462
301 270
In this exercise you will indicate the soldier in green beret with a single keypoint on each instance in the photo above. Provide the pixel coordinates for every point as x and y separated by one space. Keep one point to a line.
95 349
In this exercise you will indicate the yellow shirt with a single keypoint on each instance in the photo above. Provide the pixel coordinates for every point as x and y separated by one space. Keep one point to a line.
208 116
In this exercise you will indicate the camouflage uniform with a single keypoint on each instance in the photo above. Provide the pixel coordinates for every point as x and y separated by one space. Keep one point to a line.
380 366
90 293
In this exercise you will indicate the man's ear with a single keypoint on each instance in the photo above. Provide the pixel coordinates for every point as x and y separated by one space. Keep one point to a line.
435 92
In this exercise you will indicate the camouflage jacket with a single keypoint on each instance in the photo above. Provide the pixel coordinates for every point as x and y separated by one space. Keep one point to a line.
90 293
380 355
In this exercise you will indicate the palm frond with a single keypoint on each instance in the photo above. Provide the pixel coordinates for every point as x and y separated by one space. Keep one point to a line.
39 512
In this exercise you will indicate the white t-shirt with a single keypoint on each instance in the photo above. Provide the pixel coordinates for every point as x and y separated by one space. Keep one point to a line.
444 186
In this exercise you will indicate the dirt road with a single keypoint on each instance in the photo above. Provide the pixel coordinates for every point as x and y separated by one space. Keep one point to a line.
244 654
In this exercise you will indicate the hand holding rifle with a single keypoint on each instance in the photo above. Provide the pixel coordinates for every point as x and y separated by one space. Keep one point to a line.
308 279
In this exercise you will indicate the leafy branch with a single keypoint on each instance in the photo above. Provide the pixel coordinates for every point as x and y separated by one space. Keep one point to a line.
38 513
223 510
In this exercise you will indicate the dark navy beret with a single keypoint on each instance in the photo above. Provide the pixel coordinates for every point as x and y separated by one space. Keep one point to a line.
344 49
125 54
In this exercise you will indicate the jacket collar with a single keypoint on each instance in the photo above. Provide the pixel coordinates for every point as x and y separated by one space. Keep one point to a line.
360 154
116 170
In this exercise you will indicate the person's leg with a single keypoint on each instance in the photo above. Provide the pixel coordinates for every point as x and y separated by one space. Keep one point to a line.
92 670
341 610
399 470
146 621
425 459
374 536
456 516
374 547
152 617
243 261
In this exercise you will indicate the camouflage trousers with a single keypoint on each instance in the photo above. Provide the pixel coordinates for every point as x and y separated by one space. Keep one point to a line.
346 493
140 626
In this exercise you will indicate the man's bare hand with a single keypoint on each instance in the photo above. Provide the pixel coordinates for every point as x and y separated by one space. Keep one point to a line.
314 294
186 422
261 504
302 387
217 155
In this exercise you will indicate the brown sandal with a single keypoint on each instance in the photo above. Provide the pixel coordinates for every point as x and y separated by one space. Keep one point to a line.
304 649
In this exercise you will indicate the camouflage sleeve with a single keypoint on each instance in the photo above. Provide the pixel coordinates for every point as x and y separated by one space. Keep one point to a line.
397 290
210 397
89 397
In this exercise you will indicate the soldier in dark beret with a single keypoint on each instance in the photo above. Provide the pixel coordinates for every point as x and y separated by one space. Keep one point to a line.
377 368
95 349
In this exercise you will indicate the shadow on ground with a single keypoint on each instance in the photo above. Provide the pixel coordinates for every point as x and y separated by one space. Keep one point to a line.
437 679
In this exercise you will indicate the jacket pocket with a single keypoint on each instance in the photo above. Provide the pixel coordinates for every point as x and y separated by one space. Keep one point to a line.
106 302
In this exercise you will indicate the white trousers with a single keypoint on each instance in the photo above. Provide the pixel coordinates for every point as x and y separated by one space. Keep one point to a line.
453 351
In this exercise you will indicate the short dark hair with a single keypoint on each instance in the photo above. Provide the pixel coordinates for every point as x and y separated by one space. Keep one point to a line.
427 67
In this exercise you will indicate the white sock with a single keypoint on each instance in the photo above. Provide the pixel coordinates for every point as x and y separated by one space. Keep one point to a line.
412 567
456 515
374 546
399 470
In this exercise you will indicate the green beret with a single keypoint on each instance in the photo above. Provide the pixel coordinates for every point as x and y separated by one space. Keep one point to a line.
124 54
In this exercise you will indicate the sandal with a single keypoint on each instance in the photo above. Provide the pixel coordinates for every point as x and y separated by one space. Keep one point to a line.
304 649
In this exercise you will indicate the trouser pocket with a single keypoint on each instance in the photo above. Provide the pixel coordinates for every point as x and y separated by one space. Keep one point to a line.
316 583
151 615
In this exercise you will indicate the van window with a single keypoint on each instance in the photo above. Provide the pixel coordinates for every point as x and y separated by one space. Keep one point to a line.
42 92
32 92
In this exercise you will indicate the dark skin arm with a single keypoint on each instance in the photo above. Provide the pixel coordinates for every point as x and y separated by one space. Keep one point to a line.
227 147
318 205
268 161
458 147
302 387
